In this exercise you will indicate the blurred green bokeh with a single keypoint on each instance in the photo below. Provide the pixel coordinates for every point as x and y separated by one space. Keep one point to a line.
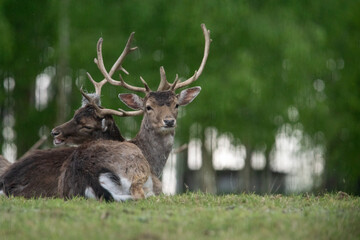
271 64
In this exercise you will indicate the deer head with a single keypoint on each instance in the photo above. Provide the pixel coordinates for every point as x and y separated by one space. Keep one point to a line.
160 107
89 121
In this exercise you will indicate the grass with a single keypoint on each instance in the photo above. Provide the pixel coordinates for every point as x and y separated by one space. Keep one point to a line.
187 216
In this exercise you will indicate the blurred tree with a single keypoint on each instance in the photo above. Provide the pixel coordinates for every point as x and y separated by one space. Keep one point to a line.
270 64
27 33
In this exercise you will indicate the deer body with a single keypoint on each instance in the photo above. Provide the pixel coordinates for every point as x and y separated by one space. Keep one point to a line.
155 139
101 169
98 169
37 174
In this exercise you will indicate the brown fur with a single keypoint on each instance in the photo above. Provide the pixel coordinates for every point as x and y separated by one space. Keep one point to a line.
85 165
4 164
85 126
36 175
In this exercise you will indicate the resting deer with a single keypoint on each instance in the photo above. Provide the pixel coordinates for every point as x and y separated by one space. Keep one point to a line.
121 170
37 174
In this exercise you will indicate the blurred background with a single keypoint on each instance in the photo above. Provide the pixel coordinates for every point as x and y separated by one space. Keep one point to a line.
279 110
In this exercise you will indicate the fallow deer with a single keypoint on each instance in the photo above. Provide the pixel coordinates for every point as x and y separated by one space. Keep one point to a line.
37 174
121 170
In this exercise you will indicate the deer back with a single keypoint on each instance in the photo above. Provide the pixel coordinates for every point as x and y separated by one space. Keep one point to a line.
121 163
36 175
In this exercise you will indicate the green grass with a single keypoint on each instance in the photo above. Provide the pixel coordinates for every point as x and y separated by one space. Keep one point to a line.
188 216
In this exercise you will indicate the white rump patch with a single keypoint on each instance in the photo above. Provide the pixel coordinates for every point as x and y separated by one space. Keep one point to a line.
89 193
119 193
2 193
148 188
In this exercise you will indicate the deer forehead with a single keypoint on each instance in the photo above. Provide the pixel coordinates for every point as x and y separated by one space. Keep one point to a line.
84 113
167 98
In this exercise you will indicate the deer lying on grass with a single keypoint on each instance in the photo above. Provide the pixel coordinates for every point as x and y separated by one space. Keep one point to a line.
121 170
37 174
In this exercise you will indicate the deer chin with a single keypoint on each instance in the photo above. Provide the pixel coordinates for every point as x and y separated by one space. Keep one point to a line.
167 130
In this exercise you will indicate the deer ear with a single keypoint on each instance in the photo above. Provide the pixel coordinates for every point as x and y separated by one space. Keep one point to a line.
131 100
188 95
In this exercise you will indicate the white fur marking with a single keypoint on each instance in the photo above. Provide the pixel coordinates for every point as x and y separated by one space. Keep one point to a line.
169 140
103 126
119 193
89 193
148 188
2 193
93 96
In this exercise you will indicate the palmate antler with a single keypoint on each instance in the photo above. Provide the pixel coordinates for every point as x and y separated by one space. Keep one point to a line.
165 85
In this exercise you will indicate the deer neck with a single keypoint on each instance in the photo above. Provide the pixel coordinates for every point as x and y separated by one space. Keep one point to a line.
113 132
155 146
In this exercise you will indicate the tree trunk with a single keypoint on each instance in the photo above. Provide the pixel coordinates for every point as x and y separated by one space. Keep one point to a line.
207 172
247 170
63 63
267 181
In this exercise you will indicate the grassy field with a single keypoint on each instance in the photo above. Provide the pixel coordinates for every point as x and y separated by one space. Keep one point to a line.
188 216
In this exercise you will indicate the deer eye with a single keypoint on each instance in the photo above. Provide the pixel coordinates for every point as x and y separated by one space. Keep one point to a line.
177 106
148 108
87 127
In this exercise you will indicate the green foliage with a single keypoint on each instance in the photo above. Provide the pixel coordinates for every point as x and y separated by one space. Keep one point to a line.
188 216
265 59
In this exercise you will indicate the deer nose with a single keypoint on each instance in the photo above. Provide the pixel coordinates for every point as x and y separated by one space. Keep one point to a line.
169 122
55 132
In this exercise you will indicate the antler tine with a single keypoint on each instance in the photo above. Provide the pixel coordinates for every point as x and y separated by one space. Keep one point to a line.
118 64
91 100
105 111
164 84
120 113
203 62
100 63
175 82
145 84
97 85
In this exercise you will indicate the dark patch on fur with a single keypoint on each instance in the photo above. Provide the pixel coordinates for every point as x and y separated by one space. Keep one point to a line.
83 170
89 112
36 175
163 98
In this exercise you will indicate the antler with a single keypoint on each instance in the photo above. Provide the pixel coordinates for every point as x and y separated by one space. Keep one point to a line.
98 85
165 85
105 111
108 76
117 65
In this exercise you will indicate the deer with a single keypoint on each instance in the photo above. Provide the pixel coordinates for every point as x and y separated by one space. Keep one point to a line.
37 174
123 170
